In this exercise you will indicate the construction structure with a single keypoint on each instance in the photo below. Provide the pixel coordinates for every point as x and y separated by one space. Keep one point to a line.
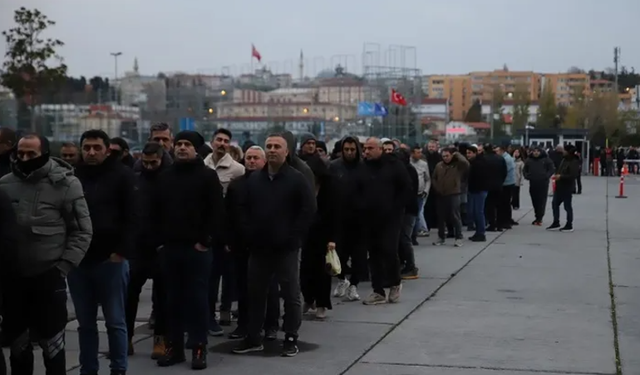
393 68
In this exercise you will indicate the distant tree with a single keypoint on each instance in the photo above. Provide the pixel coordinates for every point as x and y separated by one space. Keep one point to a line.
475 112
25 69
548 110
521 105
497 111
575 70
575 113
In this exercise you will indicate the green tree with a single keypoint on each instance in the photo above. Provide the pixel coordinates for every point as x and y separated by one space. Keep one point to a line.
475 112
25 70
575 113
521 104
497 111
548 110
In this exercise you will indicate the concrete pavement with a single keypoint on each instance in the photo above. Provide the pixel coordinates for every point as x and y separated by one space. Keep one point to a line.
527 302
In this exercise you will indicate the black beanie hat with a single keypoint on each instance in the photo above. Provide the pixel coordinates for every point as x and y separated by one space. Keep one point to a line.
189 135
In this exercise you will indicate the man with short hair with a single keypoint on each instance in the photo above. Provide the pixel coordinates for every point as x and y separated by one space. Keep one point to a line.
478 188
8 140
70 153
144 262
160 133
103 276
505 219
538 169
53 218
424 186
189 207
383 190
432 157
120 150
221 161
279 211
388 147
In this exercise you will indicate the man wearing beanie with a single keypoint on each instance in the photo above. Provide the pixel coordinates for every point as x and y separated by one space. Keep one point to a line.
566 175
56 238
189 212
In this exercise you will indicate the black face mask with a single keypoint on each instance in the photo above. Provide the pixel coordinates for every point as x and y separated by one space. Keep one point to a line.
31 165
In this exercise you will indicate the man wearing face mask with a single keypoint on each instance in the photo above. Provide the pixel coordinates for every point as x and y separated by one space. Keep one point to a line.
55 232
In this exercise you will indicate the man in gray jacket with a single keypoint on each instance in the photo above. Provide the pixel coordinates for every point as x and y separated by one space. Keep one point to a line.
55 229
424 185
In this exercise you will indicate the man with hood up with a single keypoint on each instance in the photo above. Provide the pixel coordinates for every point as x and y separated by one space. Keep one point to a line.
298 164
54 224
538 169
345 171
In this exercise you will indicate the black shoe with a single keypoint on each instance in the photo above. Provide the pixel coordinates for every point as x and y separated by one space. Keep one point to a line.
415 243
478 238
118 372
247 347
173 354
504 227
451 235
290 347
554 226
513 222
409 273
567 228
238 333
494 229
199 357
271 334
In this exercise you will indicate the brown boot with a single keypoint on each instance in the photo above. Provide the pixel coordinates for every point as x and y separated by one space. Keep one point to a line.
158 347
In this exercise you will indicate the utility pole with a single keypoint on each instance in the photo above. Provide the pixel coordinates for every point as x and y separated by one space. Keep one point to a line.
115 58
616 60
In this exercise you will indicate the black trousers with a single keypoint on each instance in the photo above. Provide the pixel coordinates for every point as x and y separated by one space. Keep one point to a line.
430 212
504 207
539 191
222 271
515 197
140 271
35 309
382 241
264 268
350 246
491 205
315 282
579 183
272 318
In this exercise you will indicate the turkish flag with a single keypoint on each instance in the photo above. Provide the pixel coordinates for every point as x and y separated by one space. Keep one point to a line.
255 53
397 98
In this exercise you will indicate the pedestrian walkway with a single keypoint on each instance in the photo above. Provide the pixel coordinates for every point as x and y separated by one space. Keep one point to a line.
527 302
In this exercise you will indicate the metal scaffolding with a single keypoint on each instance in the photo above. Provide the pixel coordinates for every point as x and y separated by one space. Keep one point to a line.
394 67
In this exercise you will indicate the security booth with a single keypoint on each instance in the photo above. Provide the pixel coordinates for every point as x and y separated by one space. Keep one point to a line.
550 138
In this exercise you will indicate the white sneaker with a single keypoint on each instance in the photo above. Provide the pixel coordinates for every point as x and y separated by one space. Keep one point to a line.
394 293
341 289
321 313
352 294
309 308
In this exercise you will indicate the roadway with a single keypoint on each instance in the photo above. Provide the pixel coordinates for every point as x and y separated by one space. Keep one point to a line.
526 302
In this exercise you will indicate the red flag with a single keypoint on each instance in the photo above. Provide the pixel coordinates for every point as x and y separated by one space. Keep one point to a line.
255 53
397 98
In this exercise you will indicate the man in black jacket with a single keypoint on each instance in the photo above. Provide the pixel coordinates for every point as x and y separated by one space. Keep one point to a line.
496 173
279 207
407 258
478 187
189 209
8 245
565 177
345 171
384 188
235 208
433 157
538 169
103 275
144 263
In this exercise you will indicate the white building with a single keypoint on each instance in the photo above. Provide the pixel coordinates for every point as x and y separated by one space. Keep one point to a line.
508 108
456 130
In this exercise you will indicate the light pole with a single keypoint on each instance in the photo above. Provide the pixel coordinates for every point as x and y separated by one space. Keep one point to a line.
115 58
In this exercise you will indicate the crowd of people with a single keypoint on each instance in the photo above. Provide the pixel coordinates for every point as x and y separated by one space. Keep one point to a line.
212 224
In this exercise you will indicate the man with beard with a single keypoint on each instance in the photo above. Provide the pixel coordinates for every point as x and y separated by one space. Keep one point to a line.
103 276
565 177
346 170
447 180
298 164
433 158
279 207
496 173
538 169
307 145
144 263
120 150
189 208
383 188
227 169
70 153
160 133
8 142
235 207
54 223
424 186
477 193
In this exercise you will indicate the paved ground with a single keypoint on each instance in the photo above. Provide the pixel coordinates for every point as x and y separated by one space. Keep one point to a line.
528 302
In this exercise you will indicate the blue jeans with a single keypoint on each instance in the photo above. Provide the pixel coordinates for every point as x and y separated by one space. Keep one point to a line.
475 211
105 284
421 223
187 272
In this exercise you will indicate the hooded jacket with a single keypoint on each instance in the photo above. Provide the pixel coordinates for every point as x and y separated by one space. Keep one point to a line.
345 176
538 169
411 207
52 217
298 164
567 173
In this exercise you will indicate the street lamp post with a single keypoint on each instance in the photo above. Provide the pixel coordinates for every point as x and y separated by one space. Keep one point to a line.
115 58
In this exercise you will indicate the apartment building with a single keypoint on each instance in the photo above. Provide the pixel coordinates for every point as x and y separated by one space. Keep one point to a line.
454 88
564 85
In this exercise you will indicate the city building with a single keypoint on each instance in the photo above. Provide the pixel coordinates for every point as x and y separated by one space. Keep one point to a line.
147 92
8 109
433 114
471 131
566 85
274 110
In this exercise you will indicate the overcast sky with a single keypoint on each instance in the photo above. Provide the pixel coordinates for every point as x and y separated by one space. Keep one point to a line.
448 36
